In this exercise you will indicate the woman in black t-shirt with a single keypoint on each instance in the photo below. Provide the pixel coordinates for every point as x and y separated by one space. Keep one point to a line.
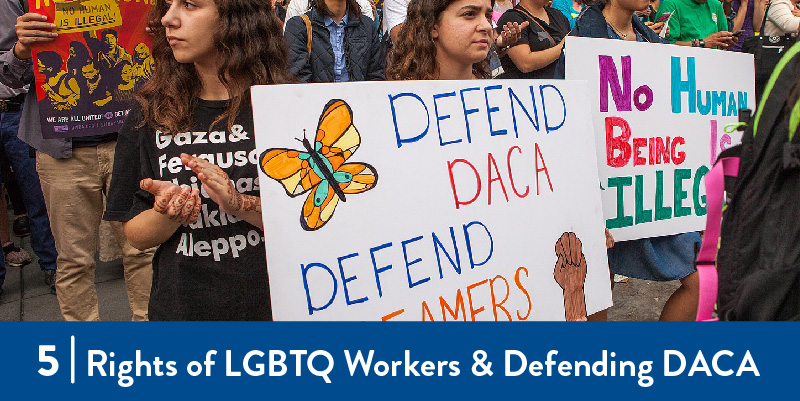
210 263
534 56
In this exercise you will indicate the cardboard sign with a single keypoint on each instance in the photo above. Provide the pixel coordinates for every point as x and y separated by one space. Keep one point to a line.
659 113
431 200
85 79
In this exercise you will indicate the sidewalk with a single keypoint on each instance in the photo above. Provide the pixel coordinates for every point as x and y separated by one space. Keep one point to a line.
634 300
34 302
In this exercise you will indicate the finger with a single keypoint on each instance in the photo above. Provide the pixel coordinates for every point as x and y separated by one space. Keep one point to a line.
147 185
572 256
29 41
188 207
178 201
31 17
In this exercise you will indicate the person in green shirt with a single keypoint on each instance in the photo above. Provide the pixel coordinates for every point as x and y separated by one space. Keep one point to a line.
697 23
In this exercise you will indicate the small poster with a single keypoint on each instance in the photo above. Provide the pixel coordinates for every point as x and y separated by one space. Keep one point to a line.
86 78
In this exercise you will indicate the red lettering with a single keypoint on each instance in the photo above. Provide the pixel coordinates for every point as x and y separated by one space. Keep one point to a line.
491 163
511 176
638 160
652 154
496 305
619 143
662 151
680 157
453 182
538 155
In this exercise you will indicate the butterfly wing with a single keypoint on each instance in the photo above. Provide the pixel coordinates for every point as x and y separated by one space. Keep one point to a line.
291 168
337 138
354 178
319 206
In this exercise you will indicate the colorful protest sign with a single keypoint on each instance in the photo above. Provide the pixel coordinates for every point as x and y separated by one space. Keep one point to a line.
85 79
659 116
465 200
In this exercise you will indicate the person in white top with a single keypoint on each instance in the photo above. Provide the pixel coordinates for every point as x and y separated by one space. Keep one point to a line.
783 17
394 15
297 7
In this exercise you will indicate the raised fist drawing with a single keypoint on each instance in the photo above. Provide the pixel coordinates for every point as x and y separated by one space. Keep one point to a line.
570 274
570 271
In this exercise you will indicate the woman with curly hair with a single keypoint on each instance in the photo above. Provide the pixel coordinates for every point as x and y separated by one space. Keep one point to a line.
447 39
194 126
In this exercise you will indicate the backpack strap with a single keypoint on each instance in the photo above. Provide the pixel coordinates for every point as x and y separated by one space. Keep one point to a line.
707 257
530 16
307 21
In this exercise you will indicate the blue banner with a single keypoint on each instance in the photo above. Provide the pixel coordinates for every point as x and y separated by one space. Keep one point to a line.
398 360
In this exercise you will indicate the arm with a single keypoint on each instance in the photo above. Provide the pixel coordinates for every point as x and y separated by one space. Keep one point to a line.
781 15
297 41
758 14
528 61
16 69
741 13
395 32
172 207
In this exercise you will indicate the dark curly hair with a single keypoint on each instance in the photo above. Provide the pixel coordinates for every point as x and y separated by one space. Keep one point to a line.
414 54
251 49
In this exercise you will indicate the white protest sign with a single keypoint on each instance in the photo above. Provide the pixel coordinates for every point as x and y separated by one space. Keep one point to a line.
456 196
659 113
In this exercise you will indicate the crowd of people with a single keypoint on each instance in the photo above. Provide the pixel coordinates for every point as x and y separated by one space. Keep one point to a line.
205 56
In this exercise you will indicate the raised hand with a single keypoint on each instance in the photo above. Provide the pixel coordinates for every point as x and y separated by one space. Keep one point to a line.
512 32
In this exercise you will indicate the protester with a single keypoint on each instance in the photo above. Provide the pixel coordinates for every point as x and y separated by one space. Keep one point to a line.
343 46
570 8
394 15
660 258
73 173
210 262
783 17
16 154
740 20
697 23
535 55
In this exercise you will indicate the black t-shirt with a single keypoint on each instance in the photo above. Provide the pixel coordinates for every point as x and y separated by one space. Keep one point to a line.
536 38
214 269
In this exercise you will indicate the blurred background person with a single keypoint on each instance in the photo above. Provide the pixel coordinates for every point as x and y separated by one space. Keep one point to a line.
535 54
344 44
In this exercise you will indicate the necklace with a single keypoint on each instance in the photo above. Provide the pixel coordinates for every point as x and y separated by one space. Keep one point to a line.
622 35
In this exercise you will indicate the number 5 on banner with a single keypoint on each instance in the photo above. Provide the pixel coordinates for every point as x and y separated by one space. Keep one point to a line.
44 358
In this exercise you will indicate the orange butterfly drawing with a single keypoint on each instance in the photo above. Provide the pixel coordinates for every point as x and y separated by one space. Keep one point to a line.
321 169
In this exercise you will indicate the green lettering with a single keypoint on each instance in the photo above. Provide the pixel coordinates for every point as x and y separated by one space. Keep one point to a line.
662 213
642 215
621 220
680 175
699 209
